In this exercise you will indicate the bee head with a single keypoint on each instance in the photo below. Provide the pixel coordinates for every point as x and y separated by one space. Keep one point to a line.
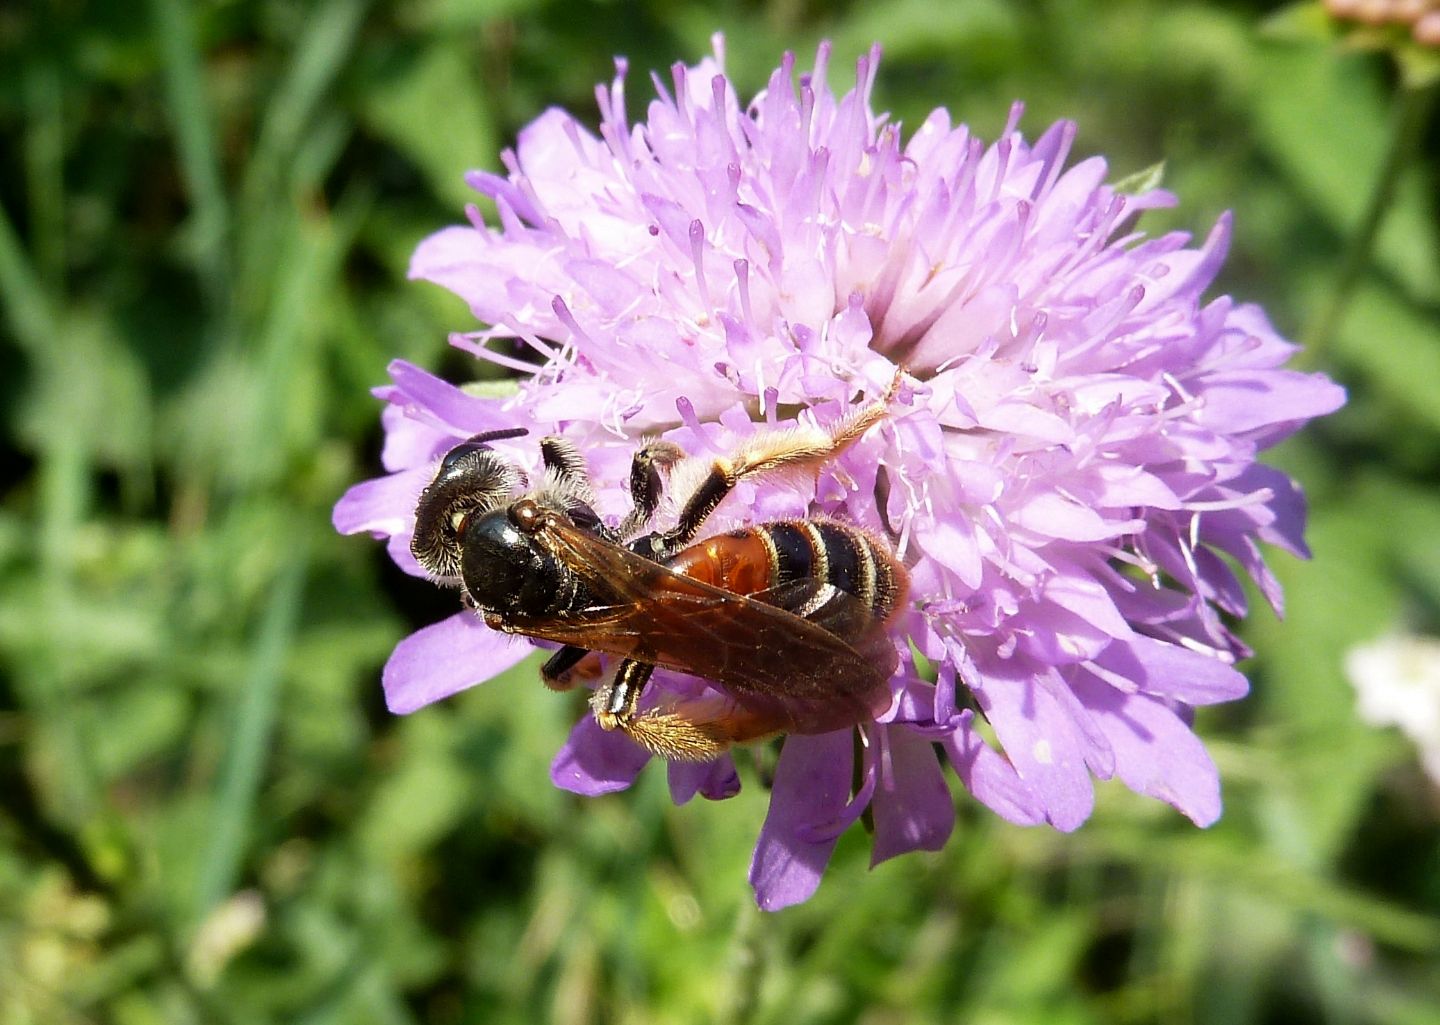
472 479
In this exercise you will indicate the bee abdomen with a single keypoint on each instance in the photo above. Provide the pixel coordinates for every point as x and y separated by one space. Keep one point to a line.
767 555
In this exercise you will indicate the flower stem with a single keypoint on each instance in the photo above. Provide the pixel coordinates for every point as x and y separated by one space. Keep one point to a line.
1412 110
745 970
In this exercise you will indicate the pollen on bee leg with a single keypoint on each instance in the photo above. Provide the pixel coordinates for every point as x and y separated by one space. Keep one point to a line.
676 738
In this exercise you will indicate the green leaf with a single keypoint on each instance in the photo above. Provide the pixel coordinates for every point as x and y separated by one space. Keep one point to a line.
1397 348
1327 123
1419 65
1347 595
191 116
431 110
460 16
227 840
1142 181
318 57
155 718
1304 22
421 798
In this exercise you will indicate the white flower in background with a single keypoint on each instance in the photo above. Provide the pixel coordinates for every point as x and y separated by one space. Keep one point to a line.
1397 683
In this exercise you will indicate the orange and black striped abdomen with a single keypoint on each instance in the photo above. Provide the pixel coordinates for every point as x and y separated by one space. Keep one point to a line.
755 559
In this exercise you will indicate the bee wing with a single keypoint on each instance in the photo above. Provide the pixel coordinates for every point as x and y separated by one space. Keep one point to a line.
805 654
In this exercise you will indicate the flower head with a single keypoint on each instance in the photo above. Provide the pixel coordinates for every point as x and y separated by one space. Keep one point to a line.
1070 472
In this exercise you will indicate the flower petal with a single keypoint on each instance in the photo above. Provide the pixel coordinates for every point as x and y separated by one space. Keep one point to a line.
1155 753
445 658
715 780
991 777
1040 738
912 806
1170 671
811 789
385 506
595 761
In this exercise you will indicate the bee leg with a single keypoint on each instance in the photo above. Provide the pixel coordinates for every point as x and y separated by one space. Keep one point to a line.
670 735
698 731
560 670
803 447
645 482
690 731
562 457
614 701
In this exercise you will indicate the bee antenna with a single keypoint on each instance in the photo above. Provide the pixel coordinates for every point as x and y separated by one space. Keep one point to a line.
503 434
478 443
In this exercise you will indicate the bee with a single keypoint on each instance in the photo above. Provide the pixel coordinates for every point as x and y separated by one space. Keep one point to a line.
788 619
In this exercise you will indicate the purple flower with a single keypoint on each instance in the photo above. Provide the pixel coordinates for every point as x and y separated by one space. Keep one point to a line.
1070 472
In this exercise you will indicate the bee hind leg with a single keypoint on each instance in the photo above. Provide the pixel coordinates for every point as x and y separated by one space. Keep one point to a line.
802 448
690 731
698 731
670 735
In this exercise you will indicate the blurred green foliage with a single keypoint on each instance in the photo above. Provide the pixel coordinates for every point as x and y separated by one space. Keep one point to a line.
206 816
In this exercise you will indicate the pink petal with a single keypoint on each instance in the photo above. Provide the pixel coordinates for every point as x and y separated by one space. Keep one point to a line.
450 406
1170 671
445 658
912 806
409 442
595 761
714 781
990 776
1248 400
1050 515
1040 738
1155 753
811 789
385 506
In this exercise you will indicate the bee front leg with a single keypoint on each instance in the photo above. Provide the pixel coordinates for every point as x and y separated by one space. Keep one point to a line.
563 458
645 482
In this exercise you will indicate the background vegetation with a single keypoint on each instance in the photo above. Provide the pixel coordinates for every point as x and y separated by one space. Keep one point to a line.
206 814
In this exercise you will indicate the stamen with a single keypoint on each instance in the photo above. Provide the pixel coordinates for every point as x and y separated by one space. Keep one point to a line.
742 280
568 319
697 256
